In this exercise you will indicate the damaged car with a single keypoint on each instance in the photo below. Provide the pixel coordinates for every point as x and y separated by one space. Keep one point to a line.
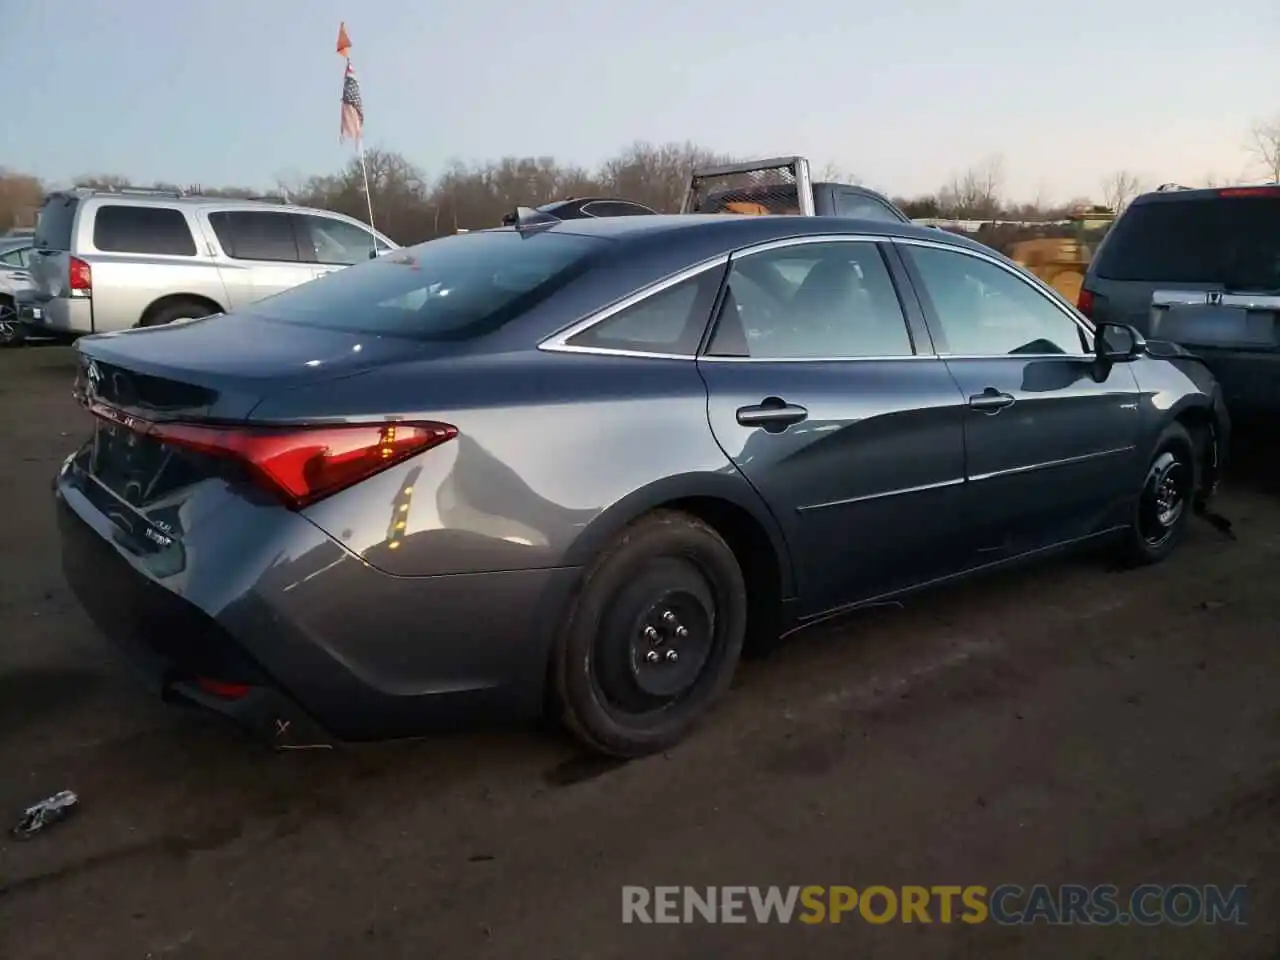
578 465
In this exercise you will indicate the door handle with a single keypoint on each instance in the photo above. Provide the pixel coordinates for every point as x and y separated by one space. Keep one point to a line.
990 400
772 413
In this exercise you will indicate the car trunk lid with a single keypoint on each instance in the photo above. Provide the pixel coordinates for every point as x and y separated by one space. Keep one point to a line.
165 397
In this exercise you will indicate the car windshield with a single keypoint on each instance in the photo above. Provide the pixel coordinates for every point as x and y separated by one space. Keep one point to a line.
1231 241
454 288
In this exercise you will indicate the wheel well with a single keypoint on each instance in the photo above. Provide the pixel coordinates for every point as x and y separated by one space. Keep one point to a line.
175 298
759 561
1198 422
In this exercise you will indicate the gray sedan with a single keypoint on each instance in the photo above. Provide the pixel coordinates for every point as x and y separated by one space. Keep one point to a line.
579 465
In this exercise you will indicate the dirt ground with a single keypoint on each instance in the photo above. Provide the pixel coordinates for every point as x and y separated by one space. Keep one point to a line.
1062 725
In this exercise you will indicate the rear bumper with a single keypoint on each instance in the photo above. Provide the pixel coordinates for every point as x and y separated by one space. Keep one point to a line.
57 316
1250 381
328 647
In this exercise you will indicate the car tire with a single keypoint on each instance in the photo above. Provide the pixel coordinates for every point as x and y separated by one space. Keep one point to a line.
178 310
653 639
12 333
1163 509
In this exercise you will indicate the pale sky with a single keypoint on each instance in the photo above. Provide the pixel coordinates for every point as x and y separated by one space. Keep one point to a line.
902 95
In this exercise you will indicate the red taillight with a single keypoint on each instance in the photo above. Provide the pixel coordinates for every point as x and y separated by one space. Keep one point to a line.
222 689
299 464
1084 302
1249 192
81 276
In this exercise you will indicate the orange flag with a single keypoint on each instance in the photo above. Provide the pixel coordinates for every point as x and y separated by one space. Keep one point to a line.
344 42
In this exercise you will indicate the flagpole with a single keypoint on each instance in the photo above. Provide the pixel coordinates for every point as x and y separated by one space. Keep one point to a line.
368 197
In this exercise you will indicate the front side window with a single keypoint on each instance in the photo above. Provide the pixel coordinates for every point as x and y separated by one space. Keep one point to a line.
335 241
985 310
812 301
453 288
120 228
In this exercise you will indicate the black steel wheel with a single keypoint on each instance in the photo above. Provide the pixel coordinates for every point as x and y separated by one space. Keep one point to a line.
654 637
1163 507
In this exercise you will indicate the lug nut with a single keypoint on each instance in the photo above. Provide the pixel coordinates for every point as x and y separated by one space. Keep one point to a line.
672 656
650 634
652 656
681 632
669 618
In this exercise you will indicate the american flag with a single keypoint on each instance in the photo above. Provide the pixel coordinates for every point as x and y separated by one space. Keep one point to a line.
352 107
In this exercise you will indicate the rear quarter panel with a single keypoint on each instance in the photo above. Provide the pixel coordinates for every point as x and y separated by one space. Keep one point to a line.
555 453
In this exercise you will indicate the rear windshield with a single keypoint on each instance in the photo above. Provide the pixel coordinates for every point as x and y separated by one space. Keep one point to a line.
1231 241
454 288
53 229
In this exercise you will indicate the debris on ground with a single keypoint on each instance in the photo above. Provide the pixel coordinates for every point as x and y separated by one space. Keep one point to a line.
44 814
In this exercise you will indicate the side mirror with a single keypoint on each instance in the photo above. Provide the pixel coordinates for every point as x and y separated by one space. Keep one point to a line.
373 254
1118 343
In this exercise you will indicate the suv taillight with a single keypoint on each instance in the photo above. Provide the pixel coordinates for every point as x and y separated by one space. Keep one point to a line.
1084 303
80 276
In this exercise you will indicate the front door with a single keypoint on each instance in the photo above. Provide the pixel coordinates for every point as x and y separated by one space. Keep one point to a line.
833 406
1050 435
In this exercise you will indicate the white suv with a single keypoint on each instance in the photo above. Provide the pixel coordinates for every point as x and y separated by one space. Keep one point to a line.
107 261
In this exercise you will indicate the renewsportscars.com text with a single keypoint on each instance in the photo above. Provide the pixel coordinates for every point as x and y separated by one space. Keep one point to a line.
1008 904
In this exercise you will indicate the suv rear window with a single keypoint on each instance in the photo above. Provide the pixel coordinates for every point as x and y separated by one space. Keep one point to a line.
120 228
1234 241
57 216
454 288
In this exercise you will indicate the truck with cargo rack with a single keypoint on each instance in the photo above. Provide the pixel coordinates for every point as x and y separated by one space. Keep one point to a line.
782 185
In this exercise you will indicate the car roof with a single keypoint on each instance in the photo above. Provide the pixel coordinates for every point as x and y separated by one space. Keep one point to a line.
734 231
1174 193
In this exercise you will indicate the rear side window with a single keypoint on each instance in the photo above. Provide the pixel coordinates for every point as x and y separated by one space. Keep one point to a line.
53 228
1233 241
670 321
454 288
256 235
119 228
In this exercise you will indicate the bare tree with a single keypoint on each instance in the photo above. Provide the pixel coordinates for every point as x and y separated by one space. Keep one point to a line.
976 193
20 196
1265 147
1119 189
834 173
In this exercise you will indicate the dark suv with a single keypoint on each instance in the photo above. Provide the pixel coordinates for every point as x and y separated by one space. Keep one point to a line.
1200 268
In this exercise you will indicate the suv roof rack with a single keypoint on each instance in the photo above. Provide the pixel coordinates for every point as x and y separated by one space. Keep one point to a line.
1169 187
267 198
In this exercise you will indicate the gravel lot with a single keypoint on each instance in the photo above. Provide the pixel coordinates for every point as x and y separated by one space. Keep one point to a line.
1064 724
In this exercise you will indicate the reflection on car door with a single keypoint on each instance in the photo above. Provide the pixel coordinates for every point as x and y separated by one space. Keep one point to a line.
261 254
824 392
1050 436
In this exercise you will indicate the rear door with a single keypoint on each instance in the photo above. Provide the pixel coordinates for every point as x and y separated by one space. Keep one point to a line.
825 392
1050 438
261 254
